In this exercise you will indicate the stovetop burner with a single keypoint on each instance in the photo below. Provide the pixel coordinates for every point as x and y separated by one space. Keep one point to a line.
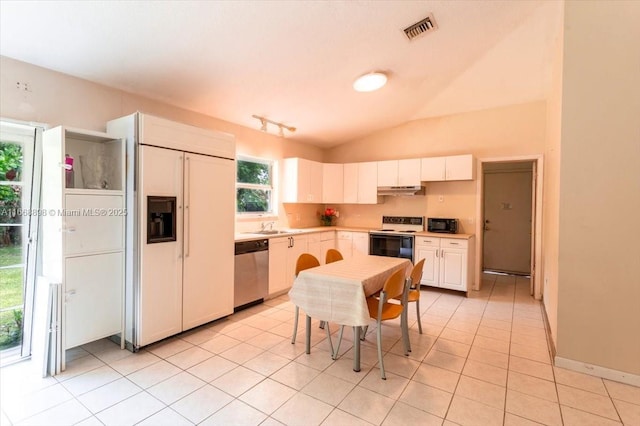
401 224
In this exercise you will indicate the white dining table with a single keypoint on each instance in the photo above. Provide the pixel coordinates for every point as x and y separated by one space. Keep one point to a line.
337 292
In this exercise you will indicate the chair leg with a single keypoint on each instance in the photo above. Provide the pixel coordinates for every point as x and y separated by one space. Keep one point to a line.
307 336
379 334
321 324
363 332
334 355
404 326
295 326
418 312
329 336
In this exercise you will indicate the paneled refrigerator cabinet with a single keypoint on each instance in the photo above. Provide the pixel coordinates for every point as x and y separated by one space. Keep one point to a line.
180 266
83 236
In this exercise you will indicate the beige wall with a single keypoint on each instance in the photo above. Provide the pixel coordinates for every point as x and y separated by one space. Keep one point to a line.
551 193
59 99
501 132
599 253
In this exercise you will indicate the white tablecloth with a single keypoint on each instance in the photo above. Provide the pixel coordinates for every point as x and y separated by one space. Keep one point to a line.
337 291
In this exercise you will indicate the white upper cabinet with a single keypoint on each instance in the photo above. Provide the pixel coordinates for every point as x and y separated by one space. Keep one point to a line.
367 183
332 183
360 183
455 167
399 172
302 181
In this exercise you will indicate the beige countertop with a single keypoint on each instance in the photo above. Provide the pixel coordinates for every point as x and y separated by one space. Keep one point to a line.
247 236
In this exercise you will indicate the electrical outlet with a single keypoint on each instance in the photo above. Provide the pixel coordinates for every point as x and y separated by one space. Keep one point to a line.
23 86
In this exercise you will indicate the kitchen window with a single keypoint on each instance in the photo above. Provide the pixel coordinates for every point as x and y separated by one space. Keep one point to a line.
254 186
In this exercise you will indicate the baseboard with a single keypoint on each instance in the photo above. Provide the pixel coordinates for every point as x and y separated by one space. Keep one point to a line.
598 371
550 345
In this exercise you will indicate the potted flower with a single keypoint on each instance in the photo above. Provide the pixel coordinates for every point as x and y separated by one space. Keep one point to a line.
327 216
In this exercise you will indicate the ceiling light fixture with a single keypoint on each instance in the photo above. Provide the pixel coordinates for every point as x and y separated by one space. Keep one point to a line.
264 121
370 82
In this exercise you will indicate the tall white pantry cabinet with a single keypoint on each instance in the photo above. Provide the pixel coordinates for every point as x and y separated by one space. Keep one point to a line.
180 243
83 231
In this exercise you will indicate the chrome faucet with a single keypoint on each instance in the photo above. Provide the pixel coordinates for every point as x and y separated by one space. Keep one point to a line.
265 225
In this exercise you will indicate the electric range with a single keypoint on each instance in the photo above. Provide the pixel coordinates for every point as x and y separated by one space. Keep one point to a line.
395 238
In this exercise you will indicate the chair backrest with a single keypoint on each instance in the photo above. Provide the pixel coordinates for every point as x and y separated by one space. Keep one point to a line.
394 286
333 255
306 261
416 273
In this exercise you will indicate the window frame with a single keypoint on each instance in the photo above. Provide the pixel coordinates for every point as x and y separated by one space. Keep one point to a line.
273 212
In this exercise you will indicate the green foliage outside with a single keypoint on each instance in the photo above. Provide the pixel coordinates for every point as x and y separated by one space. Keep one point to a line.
10 195
11 272
11 294
253 198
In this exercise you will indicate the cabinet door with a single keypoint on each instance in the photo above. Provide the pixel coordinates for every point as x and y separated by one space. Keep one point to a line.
98 225
388 173
350 174
314 181
409 172
432 169
314 246
332 183
344 243
160 301
278 248
431 269
209 199
460 167
367 183
299 245
93 298
360 243
453 269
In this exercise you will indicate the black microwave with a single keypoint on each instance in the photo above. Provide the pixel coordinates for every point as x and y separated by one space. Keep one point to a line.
438 224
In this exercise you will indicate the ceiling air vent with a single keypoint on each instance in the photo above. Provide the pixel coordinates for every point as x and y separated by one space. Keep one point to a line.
427 25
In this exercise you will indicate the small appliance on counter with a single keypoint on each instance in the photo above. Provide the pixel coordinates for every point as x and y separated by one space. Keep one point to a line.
442 225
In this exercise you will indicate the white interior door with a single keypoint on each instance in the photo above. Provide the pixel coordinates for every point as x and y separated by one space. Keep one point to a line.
160 295
209 189
507 221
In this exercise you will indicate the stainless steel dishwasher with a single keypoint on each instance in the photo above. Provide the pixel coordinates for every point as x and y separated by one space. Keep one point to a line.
251 282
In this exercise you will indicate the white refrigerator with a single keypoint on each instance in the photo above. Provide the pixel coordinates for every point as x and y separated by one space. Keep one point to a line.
181 227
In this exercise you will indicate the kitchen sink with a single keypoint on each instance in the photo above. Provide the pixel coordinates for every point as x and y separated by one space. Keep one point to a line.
274 232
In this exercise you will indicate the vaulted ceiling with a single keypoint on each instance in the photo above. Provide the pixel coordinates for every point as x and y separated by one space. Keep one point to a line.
295 61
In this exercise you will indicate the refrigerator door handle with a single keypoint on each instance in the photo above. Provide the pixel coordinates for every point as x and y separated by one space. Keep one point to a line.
187 217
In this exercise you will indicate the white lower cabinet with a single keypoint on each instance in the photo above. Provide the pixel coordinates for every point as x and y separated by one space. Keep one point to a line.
448 262
360 243
344 243
320 242
283 254
352 243
94 300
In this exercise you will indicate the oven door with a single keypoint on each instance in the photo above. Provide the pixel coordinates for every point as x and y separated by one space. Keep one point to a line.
391 245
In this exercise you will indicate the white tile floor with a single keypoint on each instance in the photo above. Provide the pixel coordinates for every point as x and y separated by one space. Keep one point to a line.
482 360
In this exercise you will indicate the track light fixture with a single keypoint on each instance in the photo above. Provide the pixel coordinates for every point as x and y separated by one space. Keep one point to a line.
264 121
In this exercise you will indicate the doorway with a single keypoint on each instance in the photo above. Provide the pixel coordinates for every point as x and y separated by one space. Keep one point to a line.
507 217
537 172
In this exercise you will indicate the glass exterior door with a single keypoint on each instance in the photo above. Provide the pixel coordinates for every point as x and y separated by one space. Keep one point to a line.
17 223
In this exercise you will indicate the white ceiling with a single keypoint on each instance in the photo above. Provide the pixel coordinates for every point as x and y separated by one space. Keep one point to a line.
295 61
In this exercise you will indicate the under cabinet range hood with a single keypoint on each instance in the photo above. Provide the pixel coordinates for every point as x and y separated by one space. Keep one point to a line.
401 190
